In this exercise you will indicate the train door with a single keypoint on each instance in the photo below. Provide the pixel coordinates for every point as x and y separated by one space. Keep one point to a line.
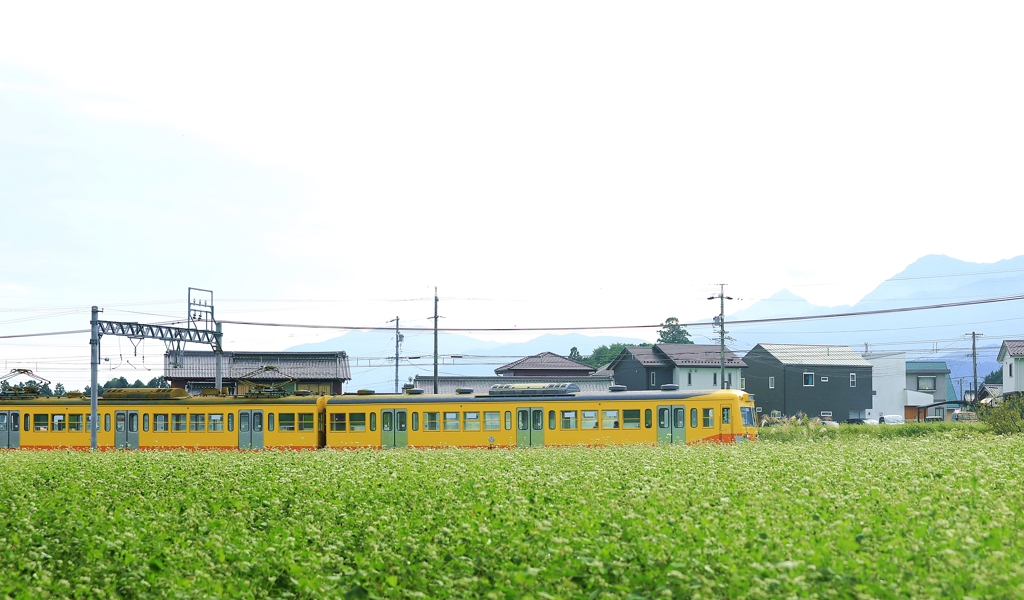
671 424
10 429
250 430
394 428
126 429
529 427
725 432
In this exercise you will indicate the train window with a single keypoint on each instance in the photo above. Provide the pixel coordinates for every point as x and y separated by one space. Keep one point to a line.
133 422
400 420
257 420
663 418
338 422
693 417
106 422
58 423
385 420
3 421
74 422
320 420
492 421
28 424
551 419
243 421
198 423
431 421
680 418
231 421
305 421
709 417
216 422
286 421
373 421
568 419
471 421
159 422
357 421
40 422
537 419
647 418
588 419
524 419
270 421
726 415
610 419
508 420
145 422
451 421
631 419
747 414
119 422
179 422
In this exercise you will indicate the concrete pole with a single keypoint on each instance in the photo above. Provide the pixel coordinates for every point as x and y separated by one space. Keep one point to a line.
435 340
721 329
219 354
398 337
94 343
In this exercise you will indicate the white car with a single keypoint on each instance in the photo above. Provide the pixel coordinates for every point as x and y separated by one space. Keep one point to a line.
892 419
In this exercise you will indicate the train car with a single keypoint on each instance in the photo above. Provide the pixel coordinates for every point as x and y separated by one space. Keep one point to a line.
164 418
528 415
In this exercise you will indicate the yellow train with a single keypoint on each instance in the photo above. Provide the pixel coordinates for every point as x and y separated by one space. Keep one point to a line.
508 415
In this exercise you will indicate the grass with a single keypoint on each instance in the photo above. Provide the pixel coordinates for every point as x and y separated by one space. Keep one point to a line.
848 516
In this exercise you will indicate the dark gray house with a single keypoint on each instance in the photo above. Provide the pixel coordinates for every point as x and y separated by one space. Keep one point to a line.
642 368
690 366
819 381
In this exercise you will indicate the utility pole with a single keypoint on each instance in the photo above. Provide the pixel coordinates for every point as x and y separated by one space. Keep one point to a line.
435 339
720 321
94 343
974 359
398 340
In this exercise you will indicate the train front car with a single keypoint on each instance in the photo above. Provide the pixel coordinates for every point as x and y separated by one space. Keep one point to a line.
169 418
530 415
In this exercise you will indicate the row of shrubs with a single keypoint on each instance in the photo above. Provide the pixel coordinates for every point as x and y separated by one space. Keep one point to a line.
804 428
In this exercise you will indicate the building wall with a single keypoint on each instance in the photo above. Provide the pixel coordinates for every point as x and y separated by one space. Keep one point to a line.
790 396
938 395
1014 383
888 380
705 378
636 376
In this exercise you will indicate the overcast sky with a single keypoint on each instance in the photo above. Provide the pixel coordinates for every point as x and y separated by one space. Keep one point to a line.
542 164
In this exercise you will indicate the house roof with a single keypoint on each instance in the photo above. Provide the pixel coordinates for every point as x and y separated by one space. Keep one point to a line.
449 383
645 355
1014 348
803 354
546 361
927 366
300 365
698 355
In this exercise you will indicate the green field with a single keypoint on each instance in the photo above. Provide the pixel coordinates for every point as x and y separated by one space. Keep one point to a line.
843 516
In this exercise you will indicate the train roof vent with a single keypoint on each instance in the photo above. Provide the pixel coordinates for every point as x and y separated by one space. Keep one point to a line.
463 390
617 388
366 392
413 391
533 389
669 387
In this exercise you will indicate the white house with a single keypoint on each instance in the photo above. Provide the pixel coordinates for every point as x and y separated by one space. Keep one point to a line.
1011 355
888 383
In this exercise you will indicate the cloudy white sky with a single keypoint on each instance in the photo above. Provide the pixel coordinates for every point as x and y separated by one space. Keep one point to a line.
542 164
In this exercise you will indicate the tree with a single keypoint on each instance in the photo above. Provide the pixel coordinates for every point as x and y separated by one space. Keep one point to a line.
603 355
995 376
158 382
58 390
44 390
138 384
672 332
574 354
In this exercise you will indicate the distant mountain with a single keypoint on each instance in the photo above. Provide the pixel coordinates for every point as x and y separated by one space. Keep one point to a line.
939 334
371 353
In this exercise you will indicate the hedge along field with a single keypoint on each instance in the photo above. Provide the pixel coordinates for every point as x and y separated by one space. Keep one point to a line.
857 517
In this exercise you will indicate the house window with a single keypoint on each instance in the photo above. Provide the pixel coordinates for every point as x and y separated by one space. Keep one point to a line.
728 381
808 379
652 379
689 377
824 379
1011 368
743 383
853 380
714 379
771 383
926 384
826 413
